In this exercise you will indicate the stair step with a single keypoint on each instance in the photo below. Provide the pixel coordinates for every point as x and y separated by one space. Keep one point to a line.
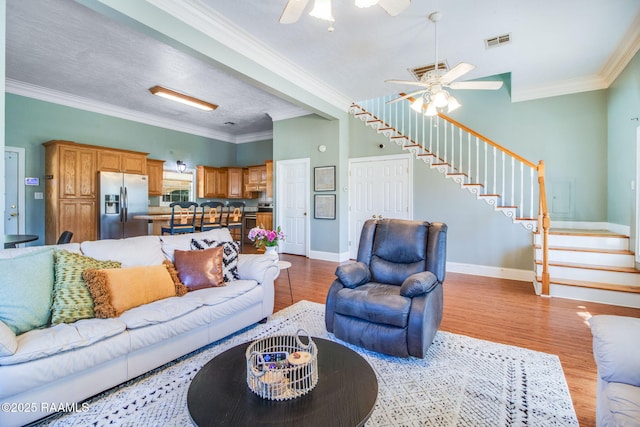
596 273
602 240
611 258
594 285
592 267
573 249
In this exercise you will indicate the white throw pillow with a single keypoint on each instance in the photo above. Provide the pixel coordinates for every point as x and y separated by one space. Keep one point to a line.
131 252
182 242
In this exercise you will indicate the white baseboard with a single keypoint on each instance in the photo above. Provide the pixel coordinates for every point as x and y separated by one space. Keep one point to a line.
600 296
329 256
490 271
589 225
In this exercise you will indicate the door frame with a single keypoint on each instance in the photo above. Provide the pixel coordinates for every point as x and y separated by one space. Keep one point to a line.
636 246
280 166
21 188
407 156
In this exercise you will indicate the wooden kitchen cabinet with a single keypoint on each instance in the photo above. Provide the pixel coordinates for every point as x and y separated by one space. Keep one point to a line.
122 161
264 220
246 192
234 183
269 178
155 169
257 178
212 182
70 190
79 216
206 181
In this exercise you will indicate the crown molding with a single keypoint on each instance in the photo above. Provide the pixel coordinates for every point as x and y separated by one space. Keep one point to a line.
216 26
288 114
17 87
624 53
566 87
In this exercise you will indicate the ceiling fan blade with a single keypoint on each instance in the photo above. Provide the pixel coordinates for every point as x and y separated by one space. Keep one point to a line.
482 85
394 7
409 95
292 11
408 82
457 71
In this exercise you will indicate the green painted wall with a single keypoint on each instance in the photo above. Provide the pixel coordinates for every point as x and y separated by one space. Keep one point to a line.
299 138
622 107
30 122
254 153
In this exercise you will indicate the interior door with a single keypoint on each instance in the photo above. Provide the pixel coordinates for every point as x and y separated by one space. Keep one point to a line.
292 205
379 187
14 220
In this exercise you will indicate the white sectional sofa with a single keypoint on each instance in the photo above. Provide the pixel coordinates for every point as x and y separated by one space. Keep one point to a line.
616 350
59 365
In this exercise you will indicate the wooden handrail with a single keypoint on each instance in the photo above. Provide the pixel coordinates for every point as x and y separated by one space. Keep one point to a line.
482 137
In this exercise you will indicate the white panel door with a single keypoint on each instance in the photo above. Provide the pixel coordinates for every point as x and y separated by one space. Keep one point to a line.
378 188
14 220
292 205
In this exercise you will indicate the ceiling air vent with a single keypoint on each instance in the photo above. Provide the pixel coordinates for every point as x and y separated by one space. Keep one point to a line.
418 72
497 41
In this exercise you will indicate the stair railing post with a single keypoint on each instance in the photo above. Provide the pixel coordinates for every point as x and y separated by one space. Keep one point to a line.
545 224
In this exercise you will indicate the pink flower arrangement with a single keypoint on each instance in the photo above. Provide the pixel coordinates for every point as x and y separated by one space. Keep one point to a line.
262 237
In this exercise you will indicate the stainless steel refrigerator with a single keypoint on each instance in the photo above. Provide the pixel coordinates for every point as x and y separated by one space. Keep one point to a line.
122 196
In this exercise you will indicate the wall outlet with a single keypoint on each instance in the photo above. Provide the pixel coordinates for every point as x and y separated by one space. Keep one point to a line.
38 195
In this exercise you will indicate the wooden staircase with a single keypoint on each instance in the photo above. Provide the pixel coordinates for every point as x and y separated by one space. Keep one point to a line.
492 173
590 265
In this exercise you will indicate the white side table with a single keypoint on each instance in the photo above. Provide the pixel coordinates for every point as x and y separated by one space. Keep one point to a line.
284 265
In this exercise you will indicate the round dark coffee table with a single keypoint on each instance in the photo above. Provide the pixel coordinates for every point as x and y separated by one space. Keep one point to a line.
344 396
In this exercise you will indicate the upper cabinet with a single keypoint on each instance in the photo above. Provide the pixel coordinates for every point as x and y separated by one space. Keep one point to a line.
122 161
269 170
234 180
70 170
257 178
155 169
212 182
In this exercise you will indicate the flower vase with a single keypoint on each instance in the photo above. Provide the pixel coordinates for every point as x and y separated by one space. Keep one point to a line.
271 250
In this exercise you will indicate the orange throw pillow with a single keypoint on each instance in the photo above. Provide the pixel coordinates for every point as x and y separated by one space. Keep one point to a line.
200 269
117 290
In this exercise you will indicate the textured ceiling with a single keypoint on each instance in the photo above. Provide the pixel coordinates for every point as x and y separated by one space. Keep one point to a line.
558 47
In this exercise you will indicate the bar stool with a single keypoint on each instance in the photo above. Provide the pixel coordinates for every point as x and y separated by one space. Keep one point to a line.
235 220
211 216
184 221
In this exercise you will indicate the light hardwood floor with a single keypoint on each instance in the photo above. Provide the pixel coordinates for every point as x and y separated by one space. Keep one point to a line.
498 310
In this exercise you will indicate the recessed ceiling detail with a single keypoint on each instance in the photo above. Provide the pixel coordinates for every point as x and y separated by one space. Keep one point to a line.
497 41
418 72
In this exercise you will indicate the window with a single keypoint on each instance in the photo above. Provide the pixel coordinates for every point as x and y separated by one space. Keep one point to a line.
177 187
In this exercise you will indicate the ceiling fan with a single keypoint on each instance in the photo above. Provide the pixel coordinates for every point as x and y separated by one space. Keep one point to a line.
432 94
322 9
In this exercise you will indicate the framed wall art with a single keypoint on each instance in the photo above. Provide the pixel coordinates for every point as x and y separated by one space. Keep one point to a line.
324 178
325 206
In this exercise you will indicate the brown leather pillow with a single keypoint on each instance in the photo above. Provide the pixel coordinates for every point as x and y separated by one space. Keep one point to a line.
200 269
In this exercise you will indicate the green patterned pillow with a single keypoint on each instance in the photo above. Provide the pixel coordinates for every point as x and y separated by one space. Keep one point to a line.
71 298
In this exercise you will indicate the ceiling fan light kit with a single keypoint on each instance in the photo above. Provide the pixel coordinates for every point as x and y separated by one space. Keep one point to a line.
182 98
322 9
433 96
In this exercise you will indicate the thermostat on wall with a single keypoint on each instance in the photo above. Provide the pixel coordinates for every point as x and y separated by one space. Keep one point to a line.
31 181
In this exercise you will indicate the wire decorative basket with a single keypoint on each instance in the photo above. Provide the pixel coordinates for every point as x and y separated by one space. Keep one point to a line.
282 367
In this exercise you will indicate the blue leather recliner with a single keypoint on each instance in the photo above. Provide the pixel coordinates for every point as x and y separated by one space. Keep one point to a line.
390 300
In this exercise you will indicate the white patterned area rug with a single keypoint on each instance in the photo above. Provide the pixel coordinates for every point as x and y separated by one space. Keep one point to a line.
463 381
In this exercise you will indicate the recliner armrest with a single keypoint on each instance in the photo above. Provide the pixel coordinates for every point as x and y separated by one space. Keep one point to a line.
354 274
418 284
